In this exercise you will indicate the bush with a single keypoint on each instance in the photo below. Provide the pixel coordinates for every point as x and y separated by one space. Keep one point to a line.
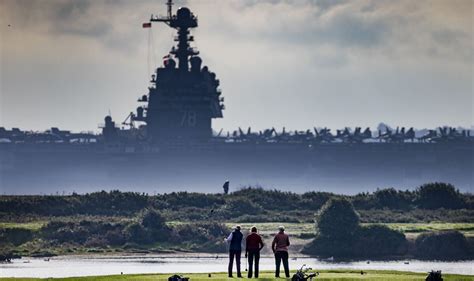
337 219
115 237
439 195
392 199
155 226
240 206
336 227
340 235
379 241
446 245
16 236
96 241
153 220
205 237
324 246
136 233
77 232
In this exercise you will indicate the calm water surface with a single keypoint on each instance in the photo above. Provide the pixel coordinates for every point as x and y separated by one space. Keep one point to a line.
68 266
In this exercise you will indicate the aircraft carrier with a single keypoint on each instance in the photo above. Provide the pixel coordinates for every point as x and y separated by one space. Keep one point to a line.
168 144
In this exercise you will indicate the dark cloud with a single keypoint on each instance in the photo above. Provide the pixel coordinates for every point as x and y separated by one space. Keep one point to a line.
69 10
326 5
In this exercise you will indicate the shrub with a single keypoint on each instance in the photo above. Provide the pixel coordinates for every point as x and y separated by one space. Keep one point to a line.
205 237
153 220
136 233
375 241
96 241
241 206
337 219
445 245
155 226
315 200
16 236
379 241
324 246
340 235
439 195
392 199
115 237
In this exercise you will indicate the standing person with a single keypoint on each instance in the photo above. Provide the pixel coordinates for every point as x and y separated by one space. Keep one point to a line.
280 249
235 249
226 187
253 245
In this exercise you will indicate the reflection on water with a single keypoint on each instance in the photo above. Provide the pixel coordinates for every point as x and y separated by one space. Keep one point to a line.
66 266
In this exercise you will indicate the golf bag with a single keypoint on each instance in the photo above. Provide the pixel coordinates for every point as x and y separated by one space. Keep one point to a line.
178 278
434 276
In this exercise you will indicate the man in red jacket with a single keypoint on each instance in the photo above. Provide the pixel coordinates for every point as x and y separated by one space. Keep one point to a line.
253 246
280 249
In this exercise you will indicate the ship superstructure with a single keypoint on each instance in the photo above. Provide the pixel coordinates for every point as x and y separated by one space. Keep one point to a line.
183 97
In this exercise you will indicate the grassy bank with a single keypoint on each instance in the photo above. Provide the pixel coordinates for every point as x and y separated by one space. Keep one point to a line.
294 228
301 234
407 228
328 275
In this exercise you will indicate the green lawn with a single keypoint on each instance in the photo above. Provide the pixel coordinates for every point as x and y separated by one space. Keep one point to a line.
412 228
466 228
293 228
332 275
35 225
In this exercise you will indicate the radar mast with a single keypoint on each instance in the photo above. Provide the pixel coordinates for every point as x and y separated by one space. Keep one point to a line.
183 21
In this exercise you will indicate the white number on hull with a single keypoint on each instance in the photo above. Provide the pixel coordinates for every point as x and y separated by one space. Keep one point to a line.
189 118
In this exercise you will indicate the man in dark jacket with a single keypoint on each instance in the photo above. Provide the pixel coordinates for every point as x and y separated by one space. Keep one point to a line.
235 249
253 246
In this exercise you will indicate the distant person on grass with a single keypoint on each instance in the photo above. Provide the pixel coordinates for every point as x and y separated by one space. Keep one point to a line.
226 187
280 249
253 246
235 249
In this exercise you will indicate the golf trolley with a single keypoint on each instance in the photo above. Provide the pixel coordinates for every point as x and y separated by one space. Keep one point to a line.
302 274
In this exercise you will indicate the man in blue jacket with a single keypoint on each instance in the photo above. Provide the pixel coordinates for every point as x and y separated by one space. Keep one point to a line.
235 249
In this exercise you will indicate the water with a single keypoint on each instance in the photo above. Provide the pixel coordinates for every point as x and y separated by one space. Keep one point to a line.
69 266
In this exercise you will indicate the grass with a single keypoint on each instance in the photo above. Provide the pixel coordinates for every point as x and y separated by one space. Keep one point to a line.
407 228
329 275
34 225
465 228
293 228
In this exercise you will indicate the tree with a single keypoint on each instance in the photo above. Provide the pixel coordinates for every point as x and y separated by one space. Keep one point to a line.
337 219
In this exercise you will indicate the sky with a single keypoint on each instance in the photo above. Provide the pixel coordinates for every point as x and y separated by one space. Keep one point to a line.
298 64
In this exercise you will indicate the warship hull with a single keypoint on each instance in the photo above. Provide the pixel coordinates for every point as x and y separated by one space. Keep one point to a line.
336 167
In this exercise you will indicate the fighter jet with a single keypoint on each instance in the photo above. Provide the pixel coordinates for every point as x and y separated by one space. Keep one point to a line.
323 136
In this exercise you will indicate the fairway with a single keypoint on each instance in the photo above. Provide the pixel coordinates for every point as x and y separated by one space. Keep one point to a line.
270 227
407 228
329 275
